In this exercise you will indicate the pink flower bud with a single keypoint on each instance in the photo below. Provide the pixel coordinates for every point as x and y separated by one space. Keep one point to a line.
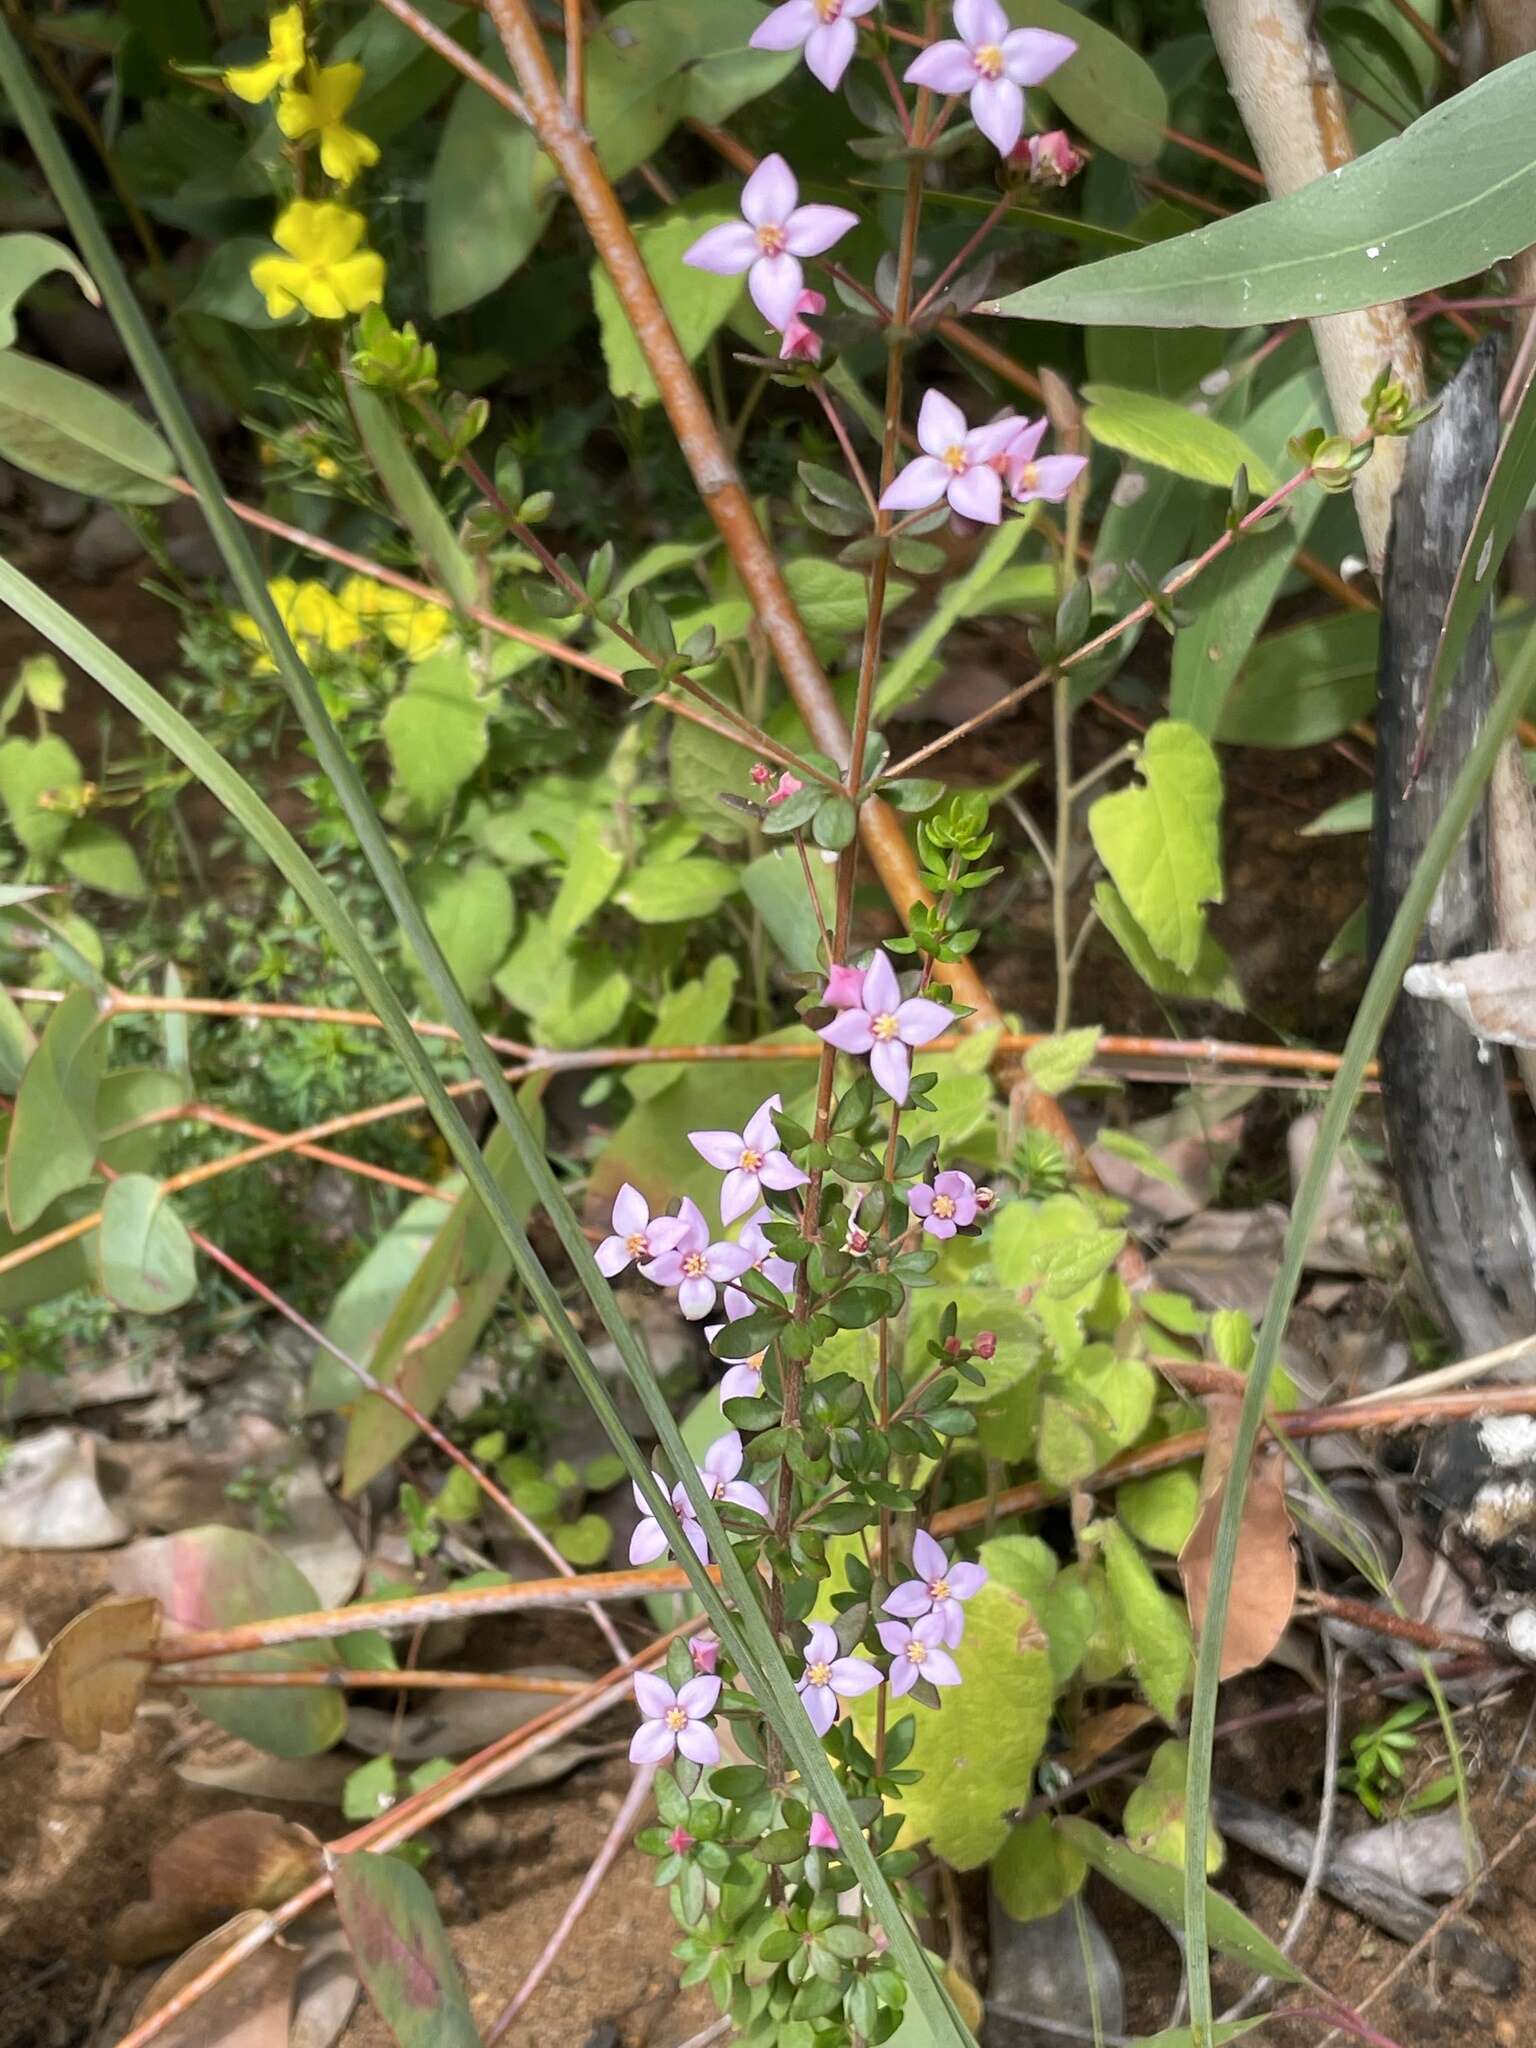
762 774
823 1834
985 1345
845 988
1053 158
953 1346
858 1241
789 785
985 1199
705 1652
679 1840
802 344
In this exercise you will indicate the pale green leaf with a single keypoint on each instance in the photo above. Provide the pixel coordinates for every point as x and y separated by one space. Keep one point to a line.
1154 1814
833 600
23 260
488 199
1169 436
1451 195
725 74
1160 841
1055 1064
17 1044
38 781
52 1145
591 873
698 303
100 858
436 732
1155 1627
1037 1870
700 764
1306 684
1211 979
675 891
1126 1145
56 426
470 911
1160 1510
145 1256
776 888
693 1014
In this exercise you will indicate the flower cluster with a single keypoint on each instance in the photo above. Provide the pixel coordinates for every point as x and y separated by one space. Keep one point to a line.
969 466
320 266
720 1471
320 620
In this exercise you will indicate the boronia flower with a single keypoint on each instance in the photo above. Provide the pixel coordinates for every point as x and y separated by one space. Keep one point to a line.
744 1381
765 1260
993 62
705 1652
322 267
751 1160
957 463
770 239
938 1589
829 1677
636 1233
823 1835
917 1652
675 1721
802 344
824 29
722 1461
947 1206
282 64
885 1027
1031 475
1053 159
694 1266
649 1540
845 988
329 90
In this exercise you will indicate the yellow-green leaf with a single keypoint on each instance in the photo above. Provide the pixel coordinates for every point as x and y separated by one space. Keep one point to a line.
1172 436
1160 840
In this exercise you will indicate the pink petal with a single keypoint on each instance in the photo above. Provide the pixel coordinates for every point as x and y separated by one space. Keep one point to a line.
742 1495
774 282
978 494
699 1696
741 1383
653 1695
760 1133
928 1559
812 229
920 484
909 1599
695 1230
952 1614
666 1271
894 1636
769 195
940 1667
697 1742
723 1458
829 51
943 67
612 1256
966 1579
903 1677
821 1644
985 444
981 21
652 1744
940 426
737 1305
882 991
820 1707
631 1211
849 1032
1055 475
855 8
779 1171
728 1261
721 1149
957 1186
845 988
786 28
665 1235
823 1835
920 1018
1030 55
891 1066
1025 444
726 250
920 1199
737 1195
696 1297
698 1542
648 1542
997 108
939 1226
854 1676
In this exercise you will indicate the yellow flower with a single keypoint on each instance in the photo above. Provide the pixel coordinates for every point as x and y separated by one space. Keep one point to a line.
408 623
314 618
323 270
332 89
284 62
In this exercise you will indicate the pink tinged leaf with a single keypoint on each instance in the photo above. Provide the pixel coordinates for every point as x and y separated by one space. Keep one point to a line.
1030 55
943 67
997 108
928 1558
820 1705
769 195
852 1677
891 1065
737 1194
726 250
981 21
919 1019
920 484
699 1696
611 1257
648 1542
978 494
829 51
401 1951
652 1743
787 27
812 229
696 1297
697 1743
940 427
774 282
720 1149
849 1032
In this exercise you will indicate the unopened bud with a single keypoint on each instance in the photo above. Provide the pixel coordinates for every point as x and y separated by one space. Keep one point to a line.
985 1345
762 774
985 1199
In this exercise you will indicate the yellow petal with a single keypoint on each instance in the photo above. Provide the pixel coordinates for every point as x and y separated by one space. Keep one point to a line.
281 282
334 87
346 151
297 115
254 82
286 41
359 281
361 595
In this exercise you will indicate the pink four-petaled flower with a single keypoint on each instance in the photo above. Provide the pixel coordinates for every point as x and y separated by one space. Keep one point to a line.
769 240
636 1233
958 462
694 1266
1032 475
751 1160
993 62
824 29
885 1027
829 1677
675 1721
917 1651
938 1590
947 1206
649 1540
722 1462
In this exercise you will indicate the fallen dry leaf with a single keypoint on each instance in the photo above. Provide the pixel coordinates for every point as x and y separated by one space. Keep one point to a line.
91 1677
50 1498
326 1992
1101 1733
1263 1589
226 1864
251 2008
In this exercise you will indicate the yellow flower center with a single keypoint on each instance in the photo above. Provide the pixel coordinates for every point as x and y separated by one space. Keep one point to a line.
770 239
635 1244
988 60
818 1674
1027 478
695 1265
829 10
676 1720
943 1205
750 1160
954 458
938 1589
884 1027
916 1650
